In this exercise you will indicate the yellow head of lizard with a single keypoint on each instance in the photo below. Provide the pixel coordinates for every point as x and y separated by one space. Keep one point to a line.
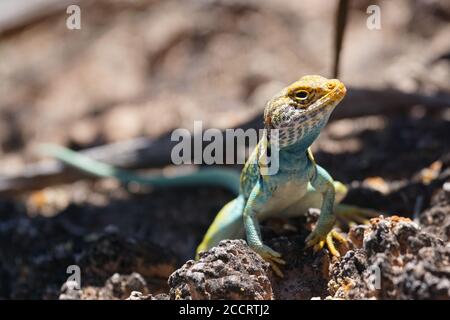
303 106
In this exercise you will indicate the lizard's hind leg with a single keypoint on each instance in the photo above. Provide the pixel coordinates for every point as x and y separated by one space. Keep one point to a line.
350 215
227 224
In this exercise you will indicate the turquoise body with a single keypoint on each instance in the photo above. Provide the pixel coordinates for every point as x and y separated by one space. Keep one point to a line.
298 185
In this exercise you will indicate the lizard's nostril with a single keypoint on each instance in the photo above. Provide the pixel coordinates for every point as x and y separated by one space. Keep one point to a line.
337 84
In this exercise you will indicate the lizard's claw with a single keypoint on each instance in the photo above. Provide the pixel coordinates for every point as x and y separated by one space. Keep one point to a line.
318 241
271 256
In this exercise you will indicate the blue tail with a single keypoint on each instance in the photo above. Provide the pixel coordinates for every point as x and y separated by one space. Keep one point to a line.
225 178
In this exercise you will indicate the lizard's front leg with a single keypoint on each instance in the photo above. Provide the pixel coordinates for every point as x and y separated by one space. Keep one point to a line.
323 232
255 203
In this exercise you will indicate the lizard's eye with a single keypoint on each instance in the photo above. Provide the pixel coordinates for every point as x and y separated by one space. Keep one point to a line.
301 95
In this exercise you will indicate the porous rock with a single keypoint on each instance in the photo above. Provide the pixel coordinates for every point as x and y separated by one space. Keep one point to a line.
395 259
231 270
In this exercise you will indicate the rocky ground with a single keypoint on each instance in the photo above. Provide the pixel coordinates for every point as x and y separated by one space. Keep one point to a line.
135 246
134 62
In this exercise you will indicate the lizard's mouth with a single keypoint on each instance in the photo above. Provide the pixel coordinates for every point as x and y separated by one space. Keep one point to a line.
339 91
331 99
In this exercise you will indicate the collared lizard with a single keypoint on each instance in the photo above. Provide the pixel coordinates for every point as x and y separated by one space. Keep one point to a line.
298 112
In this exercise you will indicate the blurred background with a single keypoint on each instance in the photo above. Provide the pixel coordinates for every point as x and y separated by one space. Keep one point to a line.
145 67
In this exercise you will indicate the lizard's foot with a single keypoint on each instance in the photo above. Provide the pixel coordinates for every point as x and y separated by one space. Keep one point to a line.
351 215
318 241
271 256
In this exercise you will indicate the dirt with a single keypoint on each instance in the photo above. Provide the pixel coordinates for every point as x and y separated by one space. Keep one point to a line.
219 61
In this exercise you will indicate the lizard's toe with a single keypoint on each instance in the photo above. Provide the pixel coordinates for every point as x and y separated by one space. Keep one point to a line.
271 256
276 268
313 239
317 241
318 246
